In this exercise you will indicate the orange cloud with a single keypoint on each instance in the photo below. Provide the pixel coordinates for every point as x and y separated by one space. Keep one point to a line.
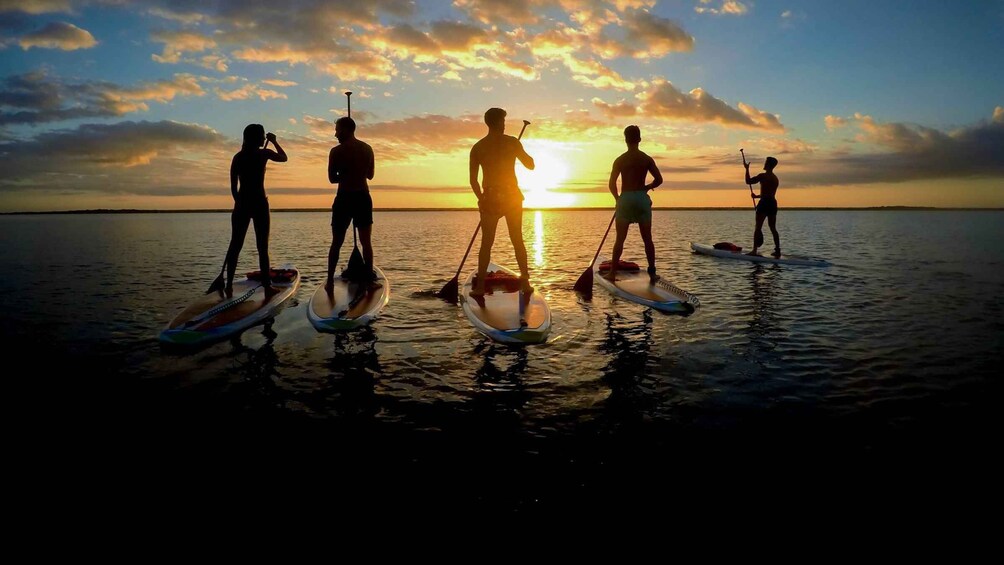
35 6
178 42
834 122
58 35
663 100
727 7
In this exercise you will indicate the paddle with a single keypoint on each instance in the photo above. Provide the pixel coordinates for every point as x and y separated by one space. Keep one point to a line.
585 282
217 284
750 185
449 290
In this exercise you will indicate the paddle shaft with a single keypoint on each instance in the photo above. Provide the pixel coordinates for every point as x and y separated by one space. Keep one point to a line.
748 184
604 240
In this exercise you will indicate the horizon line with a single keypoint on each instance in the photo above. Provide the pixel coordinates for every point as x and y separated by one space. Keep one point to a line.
473 209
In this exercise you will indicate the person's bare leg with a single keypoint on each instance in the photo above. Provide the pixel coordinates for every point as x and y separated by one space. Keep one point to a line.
262 227
239 223
488 225
622 229
646 236
366 240
337 239
514 222
758 233
772 222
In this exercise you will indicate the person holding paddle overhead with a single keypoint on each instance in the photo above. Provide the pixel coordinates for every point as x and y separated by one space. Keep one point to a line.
634 206
498 195
247 171
350 165
767 208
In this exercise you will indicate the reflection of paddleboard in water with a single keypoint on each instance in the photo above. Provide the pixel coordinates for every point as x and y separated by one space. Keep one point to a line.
498 315
217 316
783 260
350 305
635 285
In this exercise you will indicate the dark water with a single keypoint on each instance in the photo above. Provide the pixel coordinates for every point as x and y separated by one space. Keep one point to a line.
884 359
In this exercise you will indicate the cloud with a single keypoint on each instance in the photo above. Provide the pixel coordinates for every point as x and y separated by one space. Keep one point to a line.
496 11
999 115
834 122
649 36
279 82
38 98
727 7
58 35
415 136
619 110
127 157
178 42
663 100
248 91
35 6
910 152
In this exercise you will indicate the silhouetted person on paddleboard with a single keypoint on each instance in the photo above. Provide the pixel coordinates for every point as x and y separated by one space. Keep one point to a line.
499 195
350 165
767 208
634 206
247 184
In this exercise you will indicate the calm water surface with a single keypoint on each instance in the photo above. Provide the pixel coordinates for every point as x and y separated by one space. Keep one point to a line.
891 350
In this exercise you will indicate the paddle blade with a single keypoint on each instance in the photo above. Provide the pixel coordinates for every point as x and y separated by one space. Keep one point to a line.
356 269
217 285
585 283
449 291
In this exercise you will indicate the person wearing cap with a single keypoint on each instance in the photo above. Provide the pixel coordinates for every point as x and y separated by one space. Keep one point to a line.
767 207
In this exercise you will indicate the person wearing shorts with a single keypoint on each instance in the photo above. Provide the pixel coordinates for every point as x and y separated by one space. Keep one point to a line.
767 208
350 166
633 203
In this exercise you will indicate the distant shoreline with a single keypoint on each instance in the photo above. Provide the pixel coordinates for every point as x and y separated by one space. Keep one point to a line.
328 210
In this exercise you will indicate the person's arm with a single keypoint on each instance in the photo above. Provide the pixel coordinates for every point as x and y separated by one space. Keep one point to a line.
475 164
614 173
372 164
751 181
523 156
656 175
279 156
233 177
332 167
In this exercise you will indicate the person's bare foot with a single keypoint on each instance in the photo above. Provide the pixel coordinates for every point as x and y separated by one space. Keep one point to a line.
524 285
610 275
753 253
329 286
269 290
229 291
777 253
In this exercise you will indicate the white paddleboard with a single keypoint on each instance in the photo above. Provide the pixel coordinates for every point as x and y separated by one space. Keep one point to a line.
350 305
783 260
498 316
636 286
216 316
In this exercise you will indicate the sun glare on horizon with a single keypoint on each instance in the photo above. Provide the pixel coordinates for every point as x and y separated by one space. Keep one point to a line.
550 172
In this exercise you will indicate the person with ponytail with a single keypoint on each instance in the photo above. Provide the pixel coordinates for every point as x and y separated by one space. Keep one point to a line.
247 184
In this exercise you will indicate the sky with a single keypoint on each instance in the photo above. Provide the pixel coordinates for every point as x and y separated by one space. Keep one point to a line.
141 104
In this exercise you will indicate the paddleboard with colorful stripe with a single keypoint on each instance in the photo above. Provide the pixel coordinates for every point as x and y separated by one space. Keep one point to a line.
216 316
784 259
350 305
498 315
635 285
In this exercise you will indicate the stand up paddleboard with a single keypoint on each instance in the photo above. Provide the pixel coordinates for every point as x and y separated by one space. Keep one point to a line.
498 315
635 285
783 260
216 316
350 305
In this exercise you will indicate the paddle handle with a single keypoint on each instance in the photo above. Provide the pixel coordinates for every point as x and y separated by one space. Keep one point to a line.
748 184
